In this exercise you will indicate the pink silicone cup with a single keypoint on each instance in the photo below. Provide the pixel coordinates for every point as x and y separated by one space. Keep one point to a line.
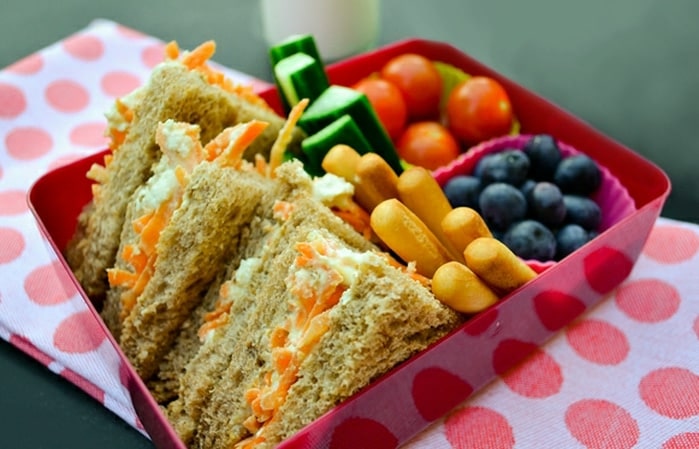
612 197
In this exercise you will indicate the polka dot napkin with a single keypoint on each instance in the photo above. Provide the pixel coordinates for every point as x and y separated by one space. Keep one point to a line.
624 375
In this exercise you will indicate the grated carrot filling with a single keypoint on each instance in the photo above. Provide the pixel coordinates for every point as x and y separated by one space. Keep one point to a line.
172 50
276 156
141 257
308 322
216 318
358 218
282 210
228 147
410 271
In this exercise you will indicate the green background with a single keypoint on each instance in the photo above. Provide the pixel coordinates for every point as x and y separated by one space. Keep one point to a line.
630 68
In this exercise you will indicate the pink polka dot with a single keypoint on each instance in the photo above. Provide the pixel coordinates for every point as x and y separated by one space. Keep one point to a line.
153 55
539 376
27 143
12 101
606 268
65 159
481 322
27 66
12 245
598 341
79 333
478 427
671 392
362 432
671 244
13 202
600 424
435 383
89 135
49 285
648 300
23 344
696 327
509 353
67 96
84 384
129 32
682 441
83 46
118 84
556 309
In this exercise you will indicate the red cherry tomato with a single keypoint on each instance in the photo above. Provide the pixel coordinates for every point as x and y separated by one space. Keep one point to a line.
419 82
478 109
427 144
388 103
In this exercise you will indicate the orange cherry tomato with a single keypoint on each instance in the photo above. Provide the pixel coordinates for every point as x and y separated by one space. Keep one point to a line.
388 103
419 82
427 144
478 109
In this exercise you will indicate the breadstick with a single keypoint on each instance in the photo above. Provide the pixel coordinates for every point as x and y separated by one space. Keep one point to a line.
403 232
457 286
421 193
374 182
462 225
497 265
341 160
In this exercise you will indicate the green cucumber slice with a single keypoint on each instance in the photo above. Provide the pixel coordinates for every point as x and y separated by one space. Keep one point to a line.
300 76
298 43
342 130
337 101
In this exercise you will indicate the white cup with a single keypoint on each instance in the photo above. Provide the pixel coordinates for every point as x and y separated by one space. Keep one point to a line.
340 28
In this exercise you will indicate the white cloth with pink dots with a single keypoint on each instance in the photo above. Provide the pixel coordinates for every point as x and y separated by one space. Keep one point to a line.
625 374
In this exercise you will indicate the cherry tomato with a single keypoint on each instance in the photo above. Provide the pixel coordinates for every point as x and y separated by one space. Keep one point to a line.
478 109
427 144
388 103
419 82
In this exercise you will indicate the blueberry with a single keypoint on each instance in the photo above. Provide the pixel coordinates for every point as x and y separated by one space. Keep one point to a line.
582 211
544 156
510 166
501 204
530 239
546 203
578 175
526 188
569 238
463 190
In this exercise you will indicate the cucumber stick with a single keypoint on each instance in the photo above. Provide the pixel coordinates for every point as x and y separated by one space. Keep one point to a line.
337 101
299 43
300 76
342 130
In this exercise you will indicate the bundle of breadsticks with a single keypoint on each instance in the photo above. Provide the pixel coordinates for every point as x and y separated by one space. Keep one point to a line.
469 269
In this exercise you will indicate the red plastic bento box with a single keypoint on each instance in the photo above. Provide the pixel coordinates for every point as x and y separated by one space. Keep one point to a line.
421 390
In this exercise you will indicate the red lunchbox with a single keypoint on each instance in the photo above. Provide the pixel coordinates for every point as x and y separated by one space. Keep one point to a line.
424 388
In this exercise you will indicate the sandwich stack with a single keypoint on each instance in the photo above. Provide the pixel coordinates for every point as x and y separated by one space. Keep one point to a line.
243 291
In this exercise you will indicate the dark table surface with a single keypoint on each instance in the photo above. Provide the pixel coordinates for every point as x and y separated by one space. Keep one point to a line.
627 67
